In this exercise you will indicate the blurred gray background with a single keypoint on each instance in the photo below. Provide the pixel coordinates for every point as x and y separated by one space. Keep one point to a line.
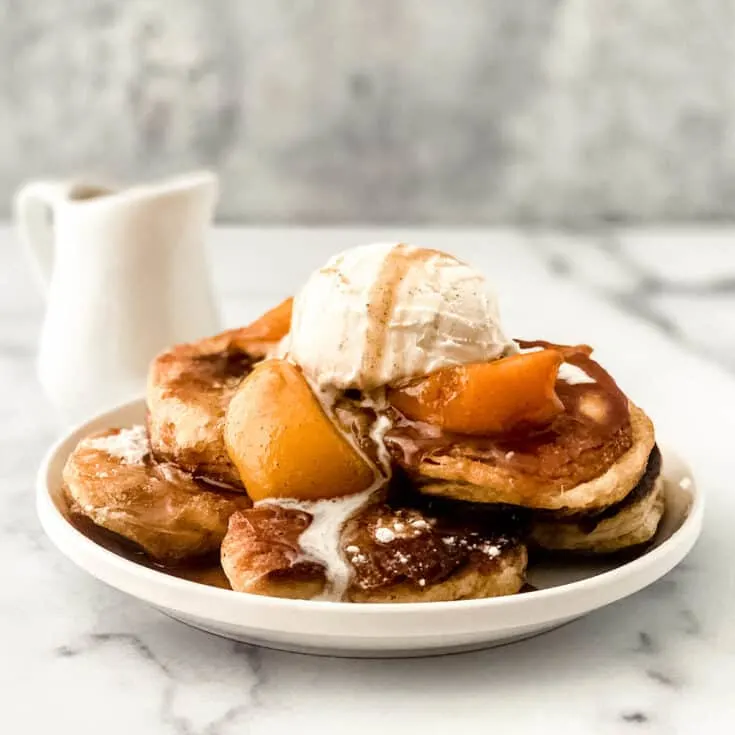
569 112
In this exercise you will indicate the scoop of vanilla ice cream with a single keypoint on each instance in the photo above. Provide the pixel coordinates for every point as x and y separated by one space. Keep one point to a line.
376 314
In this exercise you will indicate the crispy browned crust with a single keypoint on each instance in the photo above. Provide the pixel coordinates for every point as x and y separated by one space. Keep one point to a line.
633 525
466 478
159 507
189 389
503 575
260 554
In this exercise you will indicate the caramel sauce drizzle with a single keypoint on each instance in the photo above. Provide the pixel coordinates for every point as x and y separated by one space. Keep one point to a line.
381 303
596 419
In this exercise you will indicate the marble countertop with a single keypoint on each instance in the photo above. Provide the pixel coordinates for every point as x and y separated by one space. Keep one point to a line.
659 306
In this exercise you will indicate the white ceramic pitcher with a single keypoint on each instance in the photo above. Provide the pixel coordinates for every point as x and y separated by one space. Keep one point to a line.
125 274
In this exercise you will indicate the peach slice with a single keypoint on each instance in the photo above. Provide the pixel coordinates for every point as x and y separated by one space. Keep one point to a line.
485 398
271 326
282 442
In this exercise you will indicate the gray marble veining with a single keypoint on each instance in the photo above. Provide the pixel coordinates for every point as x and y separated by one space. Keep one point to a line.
681 282
565 111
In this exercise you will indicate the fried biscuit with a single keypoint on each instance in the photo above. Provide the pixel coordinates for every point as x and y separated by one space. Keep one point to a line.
393 554
408 555
590 456
471 479
189 389
112 479
261 555
631 522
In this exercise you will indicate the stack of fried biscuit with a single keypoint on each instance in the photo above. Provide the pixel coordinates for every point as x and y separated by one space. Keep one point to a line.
591 478
454 523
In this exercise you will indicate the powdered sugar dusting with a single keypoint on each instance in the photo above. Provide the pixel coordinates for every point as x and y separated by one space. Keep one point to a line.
489 549
384 535
356 556
409 527
419 524
485 547
130 446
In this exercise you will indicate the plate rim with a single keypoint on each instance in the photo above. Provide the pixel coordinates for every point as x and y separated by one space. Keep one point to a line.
630 577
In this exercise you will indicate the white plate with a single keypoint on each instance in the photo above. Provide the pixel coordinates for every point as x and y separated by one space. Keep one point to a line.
565 591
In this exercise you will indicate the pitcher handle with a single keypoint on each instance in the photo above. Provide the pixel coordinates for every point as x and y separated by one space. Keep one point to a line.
34 209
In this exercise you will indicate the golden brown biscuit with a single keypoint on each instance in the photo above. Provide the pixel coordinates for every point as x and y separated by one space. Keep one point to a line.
589 456
631 522
393 555
473 479
409 555
189 389
112 479
260 554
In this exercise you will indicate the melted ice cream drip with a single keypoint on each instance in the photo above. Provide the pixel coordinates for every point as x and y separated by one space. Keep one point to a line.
320 542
